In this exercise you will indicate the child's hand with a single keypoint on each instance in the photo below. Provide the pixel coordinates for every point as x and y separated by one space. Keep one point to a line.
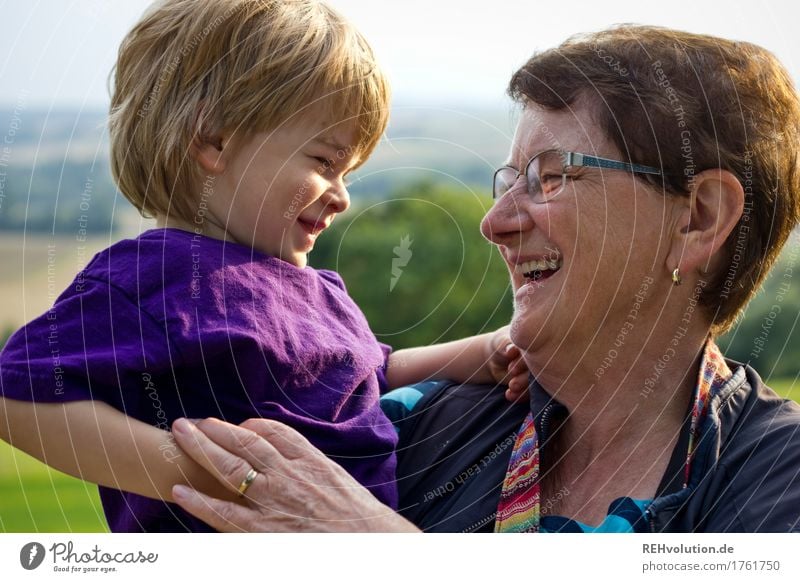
506 365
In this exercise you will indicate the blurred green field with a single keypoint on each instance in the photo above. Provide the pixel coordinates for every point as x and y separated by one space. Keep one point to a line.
786 387
35 498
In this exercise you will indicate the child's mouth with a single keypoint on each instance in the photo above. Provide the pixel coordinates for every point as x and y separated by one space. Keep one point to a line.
312 228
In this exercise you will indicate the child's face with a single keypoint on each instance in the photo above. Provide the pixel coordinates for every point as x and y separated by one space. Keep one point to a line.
279 190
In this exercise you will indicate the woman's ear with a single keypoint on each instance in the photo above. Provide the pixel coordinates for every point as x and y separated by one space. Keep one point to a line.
714 208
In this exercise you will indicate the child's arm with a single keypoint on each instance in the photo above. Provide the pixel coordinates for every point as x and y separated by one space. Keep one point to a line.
486 358
93 441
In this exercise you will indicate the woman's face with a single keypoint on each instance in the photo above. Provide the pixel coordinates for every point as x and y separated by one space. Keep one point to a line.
605 234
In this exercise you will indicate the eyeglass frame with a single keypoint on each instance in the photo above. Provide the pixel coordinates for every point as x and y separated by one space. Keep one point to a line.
571 160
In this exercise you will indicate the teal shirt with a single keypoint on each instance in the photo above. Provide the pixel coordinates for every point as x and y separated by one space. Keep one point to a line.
625 515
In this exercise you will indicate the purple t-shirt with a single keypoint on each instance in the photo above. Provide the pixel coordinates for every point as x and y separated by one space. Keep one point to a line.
175 324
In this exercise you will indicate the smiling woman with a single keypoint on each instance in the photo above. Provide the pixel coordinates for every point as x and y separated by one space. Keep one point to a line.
639 235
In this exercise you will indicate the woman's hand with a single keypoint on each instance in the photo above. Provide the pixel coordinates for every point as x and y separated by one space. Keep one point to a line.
297 488
506 365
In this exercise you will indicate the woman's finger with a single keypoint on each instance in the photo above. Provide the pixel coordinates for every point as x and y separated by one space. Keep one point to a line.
286 440
242 442
228 468
277 473
224 516
268 454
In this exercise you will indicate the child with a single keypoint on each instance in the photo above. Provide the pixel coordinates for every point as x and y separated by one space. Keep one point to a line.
234 124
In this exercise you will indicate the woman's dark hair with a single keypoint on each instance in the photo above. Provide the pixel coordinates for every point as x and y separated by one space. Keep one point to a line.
686 103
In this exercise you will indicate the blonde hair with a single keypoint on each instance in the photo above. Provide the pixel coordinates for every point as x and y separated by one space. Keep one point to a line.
194 68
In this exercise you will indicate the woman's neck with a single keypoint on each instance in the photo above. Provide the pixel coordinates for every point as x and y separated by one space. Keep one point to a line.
621 428
642 397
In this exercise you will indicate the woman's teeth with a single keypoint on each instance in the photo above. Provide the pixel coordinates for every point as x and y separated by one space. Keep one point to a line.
535 269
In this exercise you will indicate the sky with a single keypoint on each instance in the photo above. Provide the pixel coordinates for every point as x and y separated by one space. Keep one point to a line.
58 53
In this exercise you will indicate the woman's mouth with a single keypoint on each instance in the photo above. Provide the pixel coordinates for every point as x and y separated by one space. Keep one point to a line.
539 269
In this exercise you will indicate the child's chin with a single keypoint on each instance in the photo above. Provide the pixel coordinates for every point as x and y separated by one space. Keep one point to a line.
299 260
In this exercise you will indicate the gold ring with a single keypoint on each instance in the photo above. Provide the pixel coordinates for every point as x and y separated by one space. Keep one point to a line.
248 480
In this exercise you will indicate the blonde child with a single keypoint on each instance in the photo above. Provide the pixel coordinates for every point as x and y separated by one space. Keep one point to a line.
234 123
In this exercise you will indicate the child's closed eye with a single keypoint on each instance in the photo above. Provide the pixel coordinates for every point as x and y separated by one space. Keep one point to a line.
324 163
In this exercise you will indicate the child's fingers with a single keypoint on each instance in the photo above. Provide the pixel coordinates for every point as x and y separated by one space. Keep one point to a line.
504 355
522 381
517 387
515 395
517 366
519 383
512 352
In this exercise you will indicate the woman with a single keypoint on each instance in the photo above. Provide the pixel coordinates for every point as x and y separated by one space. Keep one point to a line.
652 182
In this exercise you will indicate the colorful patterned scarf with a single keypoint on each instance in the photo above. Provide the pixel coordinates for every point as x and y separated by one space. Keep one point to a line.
519 507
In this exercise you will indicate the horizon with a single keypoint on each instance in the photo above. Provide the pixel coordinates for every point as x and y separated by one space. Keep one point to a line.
59 55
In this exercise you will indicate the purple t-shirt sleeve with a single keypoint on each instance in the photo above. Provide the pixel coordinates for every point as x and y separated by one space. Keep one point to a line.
383 384
93 344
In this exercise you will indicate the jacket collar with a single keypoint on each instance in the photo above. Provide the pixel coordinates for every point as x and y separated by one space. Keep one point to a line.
717 401
714 378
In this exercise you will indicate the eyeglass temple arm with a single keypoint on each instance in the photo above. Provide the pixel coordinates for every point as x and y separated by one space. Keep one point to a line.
573 159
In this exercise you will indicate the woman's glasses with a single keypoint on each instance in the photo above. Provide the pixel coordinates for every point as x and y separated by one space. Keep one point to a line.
546 173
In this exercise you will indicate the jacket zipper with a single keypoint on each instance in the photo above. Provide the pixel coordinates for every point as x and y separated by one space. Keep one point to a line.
545 423
651 520
480 524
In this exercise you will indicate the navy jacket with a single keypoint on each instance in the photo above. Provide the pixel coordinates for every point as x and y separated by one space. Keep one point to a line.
455 445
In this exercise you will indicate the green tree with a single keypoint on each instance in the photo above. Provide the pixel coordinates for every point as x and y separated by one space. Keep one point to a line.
418 266
768 335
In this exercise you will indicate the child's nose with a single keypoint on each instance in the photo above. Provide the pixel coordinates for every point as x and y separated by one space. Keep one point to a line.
339 197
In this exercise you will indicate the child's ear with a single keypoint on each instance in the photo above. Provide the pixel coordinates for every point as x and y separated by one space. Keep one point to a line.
208 143
209 152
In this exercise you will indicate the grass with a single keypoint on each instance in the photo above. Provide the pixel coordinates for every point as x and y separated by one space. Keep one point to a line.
786 387
36 498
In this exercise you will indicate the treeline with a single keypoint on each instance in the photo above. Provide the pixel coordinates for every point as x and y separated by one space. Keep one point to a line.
70 198
768 336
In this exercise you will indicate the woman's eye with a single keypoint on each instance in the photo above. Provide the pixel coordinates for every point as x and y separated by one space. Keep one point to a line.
551 179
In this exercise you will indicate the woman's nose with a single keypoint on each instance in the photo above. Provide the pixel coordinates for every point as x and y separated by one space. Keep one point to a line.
506 220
